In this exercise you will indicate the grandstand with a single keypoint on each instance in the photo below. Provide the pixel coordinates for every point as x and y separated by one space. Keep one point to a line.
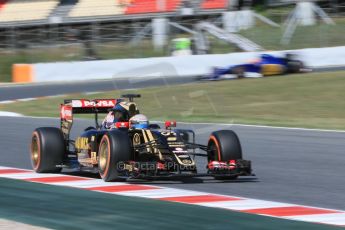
91 8
40 12
35 12
2 3
20 10
30 23
214 4
151 6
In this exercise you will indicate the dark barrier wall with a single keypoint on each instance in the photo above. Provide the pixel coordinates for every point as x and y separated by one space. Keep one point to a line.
68 2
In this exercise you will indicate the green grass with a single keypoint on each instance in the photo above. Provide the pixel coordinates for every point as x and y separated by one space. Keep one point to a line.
320 35
314 100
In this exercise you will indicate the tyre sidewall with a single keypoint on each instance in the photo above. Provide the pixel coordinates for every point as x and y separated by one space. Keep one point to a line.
227 144
51 149
119 152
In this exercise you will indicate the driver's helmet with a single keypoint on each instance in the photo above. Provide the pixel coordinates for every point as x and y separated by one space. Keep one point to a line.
290 56
139 121
120 113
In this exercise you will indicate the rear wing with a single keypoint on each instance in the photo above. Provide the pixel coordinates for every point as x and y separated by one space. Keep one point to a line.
83 106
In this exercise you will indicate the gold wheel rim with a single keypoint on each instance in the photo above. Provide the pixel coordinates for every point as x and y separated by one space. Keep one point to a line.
103 155
34 151
214 151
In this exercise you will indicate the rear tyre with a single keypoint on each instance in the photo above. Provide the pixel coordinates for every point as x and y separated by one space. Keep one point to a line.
47 150
224 145
114 151
238 71
294 66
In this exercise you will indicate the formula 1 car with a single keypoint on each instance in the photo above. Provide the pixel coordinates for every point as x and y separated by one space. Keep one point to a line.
126 152
266 65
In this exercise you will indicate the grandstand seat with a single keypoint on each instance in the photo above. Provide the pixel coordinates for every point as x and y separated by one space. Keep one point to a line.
2 3
19 10
86 8
151 6
214 4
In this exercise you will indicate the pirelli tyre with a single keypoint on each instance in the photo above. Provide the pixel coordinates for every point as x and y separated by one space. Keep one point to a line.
224 145
114 151
47 150
294 66
239 71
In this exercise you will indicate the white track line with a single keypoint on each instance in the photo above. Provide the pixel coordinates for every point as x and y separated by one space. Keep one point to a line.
7 102
9 114
162 193
333 218
87 183
246 204
24 176
263 126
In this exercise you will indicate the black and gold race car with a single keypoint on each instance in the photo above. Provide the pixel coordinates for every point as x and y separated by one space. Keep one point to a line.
126 151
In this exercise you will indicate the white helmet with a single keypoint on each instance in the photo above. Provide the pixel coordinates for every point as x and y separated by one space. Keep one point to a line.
139 121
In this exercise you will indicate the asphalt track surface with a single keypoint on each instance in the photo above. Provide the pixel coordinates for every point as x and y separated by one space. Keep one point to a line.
14 92
295 166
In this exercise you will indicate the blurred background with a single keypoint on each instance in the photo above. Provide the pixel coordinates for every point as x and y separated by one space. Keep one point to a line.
34 31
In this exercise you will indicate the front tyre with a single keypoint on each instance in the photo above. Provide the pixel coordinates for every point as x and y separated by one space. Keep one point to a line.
47 150
224 145
114 151
239 71
294 66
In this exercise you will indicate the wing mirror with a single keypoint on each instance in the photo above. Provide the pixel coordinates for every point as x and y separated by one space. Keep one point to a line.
169 124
